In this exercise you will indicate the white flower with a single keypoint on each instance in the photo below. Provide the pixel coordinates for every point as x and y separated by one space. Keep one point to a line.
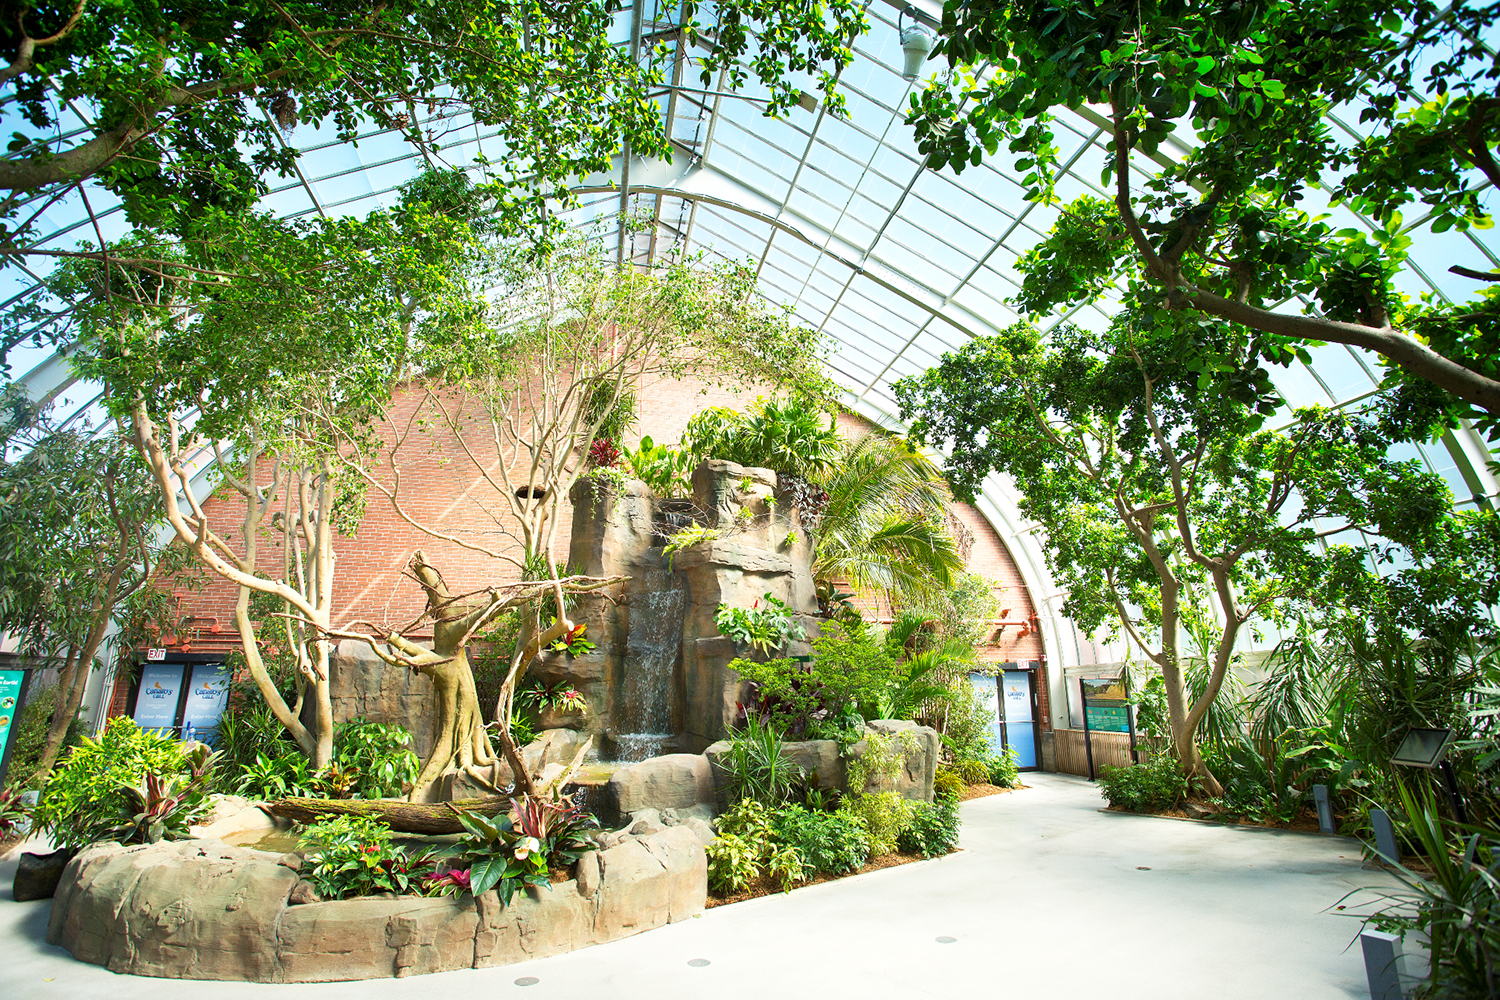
525 846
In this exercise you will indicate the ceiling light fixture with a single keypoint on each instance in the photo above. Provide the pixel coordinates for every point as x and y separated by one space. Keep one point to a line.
916 42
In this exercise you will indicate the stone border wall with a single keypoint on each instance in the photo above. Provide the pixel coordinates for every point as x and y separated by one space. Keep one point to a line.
200 909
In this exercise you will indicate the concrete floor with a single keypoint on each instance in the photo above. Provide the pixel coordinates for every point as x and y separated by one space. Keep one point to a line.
1049 897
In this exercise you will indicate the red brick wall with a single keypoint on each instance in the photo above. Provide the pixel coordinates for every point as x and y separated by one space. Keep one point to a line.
441 488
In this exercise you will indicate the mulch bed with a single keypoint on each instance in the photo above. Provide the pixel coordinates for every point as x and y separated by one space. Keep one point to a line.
1306 821
981 790
766 886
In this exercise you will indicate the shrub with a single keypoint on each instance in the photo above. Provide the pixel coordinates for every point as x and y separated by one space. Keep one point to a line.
31 736
758 767
1150 787
851 666
746 848
971 772
379 756
733 863
1005 769
510 852
883 816
371 760
884 755
828 842
947 786
83 799
933 829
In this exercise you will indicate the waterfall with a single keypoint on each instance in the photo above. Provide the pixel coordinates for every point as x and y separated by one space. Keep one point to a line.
643 717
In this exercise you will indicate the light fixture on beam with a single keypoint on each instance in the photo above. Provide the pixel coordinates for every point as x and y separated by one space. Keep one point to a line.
916 42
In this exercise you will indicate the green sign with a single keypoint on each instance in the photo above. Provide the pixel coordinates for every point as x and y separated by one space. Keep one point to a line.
11 684
1107 717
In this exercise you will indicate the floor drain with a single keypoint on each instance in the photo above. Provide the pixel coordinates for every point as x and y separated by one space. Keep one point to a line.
947 940
697 963
527 981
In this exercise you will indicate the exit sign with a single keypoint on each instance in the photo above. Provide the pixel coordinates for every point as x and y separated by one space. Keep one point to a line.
155 655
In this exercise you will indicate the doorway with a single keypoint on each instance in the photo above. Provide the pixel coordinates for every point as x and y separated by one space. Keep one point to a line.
181 697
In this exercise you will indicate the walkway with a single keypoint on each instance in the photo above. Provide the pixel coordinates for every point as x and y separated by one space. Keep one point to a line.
1049 898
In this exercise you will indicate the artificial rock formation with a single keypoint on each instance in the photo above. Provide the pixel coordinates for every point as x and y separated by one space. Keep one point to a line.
658 679
203 910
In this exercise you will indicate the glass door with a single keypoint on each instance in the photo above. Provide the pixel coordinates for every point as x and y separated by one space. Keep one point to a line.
1020 723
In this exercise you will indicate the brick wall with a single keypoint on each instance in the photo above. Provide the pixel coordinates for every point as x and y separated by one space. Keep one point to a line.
441 487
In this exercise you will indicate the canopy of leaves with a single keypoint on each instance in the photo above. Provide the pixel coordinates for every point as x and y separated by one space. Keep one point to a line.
185 100
1228 224
1136 462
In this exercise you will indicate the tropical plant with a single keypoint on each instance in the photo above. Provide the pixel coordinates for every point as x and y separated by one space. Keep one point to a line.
1454 906
948 785
538 696
851 666
693 534
882 816
269 778
508 853
885 523
1004 768
664 470
14 813
377 756
759 767
163 807
353 856
764 628
791 437
572 642
746 848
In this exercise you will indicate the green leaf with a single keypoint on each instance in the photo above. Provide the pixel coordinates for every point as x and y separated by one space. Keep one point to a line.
484 873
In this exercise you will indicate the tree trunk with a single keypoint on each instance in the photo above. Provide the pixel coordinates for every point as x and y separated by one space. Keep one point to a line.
407 817
64 708
462 741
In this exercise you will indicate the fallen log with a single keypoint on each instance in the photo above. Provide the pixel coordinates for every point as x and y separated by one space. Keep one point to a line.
398 814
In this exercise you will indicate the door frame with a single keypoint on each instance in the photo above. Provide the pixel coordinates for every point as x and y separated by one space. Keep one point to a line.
1029 668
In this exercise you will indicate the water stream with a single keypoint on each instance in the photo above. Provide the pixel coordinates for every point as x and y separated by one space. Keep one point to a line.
643 717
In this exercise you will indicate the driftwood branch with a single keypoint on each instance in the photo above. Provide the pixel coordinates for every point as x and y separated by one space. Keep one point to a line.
398 814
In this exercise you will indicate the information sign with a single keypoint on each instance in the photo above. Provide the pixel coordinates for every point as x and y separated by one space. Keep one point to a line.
12 694
1106 709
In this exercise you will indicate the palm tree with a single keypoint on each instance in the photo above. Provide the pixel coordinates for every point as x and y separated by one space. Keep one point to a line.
885 524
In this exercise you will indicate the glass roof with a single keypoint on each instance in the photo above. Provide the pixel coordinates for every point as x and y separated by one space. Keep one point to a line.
897 263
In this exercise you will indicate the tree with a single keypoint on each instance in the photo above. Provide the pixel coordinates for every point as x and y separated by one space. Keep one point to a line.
1225 226
1169 510
572 339
79 540
462 743
266 350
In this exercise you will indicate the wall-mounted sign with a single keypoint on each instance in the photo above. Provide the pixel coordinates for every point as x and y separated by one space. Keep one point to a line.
155 655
